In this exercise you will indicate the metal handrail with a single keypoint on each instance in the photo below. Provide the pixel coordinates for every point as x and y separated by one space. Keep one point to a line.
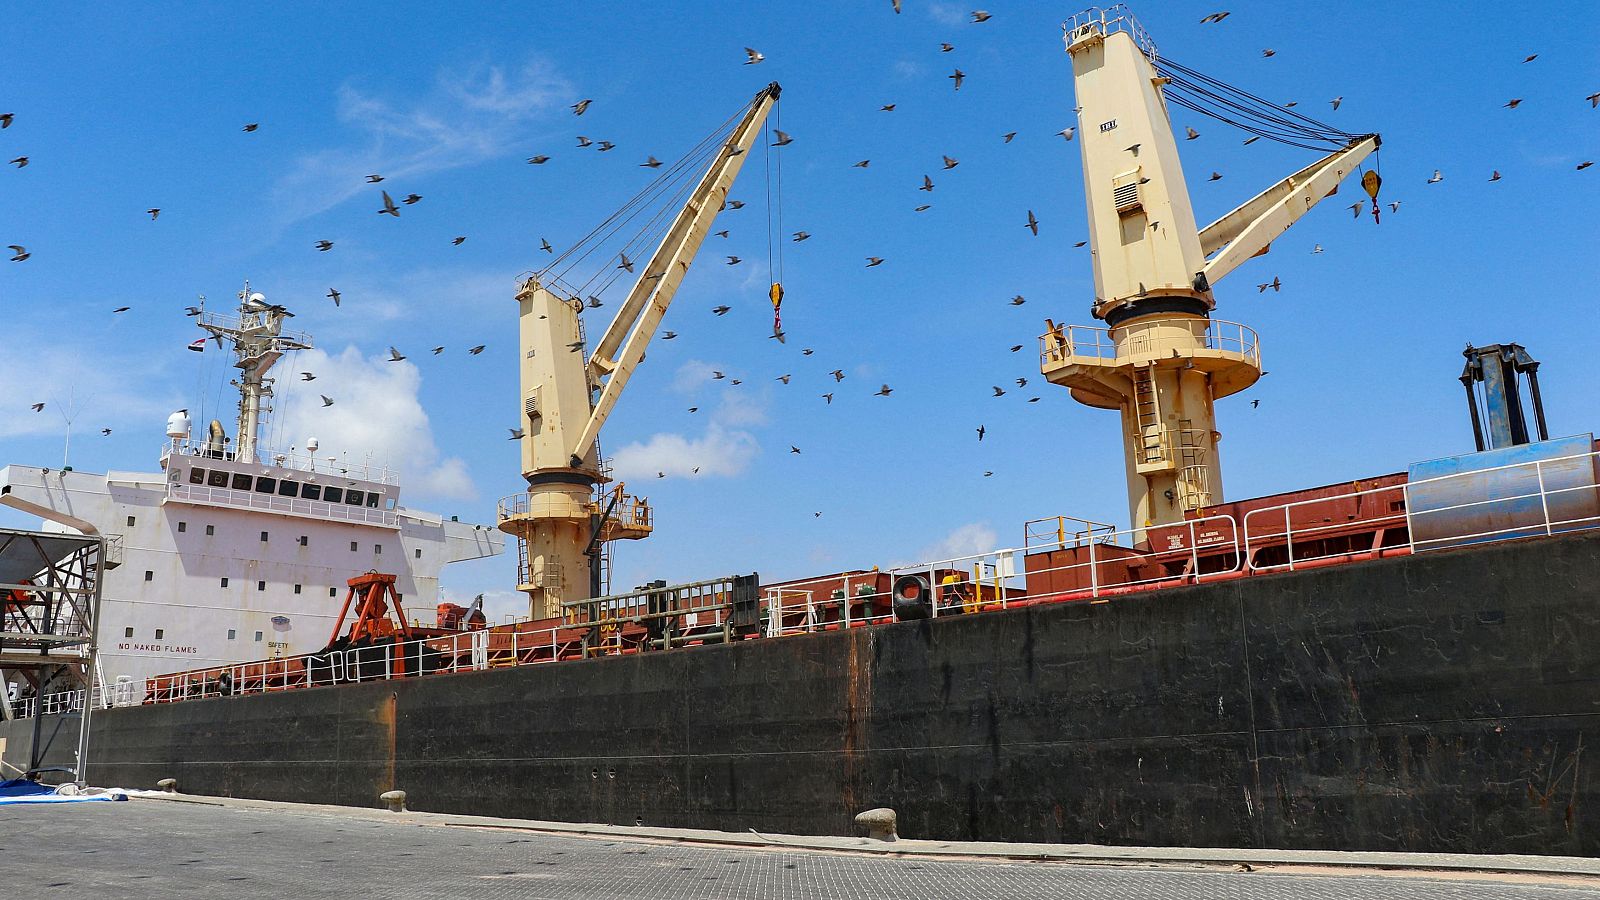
1142 339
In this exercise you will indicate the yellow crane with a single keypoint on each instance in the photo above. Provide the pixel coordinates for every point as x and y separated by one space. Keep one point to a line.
1161 360
568 513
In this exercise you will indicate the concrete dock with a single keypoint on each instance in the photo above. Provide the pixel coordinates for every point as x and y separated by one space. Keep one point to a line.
209 847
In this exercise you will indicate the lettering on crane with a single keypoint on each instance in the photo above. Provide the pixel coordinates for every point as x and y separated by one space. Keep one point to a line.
1108 126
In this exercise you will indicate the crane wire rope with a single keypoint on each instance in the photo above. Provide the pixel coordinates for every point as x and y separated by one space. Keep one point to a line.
1235 106
674 175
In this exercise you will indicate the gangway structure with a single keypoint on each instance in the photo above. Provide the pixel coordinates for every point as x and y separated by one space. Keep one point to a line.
1161 359
49 603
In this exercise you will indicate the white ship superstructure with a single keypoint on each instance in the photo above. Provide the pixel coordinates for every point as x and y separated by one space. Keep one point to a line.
232 551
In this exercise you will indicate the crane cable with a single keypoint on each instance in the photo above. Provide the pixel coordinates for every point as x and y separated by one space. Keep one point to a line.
775 234
1235 106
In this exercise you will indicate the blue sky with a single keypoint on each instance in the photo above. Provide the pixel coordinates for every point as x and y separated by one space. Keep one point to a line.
122 107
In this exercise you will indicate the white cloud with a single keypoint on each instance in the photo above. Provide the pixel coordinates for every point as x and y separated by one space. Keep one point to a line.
947 13
719 451
467 117
97 394
375 418
966 540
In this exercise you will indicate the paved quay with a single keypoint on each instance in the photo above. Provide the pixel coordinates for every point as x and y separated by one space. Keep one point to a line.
205 847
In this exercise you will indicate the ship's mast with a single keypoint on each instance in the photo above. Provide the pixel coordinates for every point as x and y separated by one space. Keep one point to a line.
1161 360
258 340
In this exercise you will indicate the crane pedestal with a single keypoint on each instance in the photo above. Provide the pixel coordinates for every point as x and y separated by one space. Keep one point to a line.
1163 373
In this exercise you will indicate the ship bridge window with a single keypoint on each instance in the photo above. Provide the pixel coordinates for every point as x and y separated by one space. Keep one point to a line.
182 527
130 521
333 592
211 530
149 575
232 633
217 479
372 500
333 494
263 537
197 476
224 581
419 553
288 488
266 485
304 541
241 481
258 636
311 491
389 503
353 498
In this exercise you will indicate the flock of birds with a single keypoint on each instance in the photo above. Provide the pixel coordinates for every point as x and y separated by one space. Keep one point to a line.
394 209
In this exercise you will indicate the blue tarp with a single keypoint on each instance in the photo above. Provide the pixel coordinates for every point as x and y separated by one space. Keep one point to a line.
20 790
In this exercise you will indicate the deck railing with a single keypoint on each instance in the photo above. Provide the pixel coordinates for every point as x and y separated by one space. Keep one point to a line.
1062 560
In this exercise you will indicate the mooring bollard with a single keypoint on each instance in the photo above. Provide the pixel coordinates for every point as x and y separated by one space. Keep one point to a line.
394 800
879 823
170 785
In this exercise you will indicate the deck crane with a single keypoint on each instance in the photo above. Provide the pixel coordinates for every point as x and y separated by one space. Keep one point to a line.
1161 360
567 513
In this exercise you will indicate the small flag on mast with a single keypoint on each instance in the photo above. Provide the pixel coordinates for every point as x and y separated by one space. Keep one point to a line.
198 345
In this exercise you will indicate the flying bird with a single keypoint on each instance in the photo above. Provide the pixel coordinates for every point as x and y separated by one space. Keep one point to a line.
801 235
1275 284
736 204
476 350
334 296
1394 207
1495 176
326 400
1008 137
581 107
887 107
1336 101
1189 133
1067 132
927 184
20 252
539 160
1513 103
38 407
1355 210
121 309
829 398
669 335
883 391
979 15
584 142
1317 249
717 376
951 162
795 450
784 139
458 240
1531 58
957 76
395 355
1015 347
923 208
389 209
1032 224
105 431
594 302
946 48
874 261
1585 164
651 163
1437 177
437 350
1268 53
155 212
545 246
753 56
5 119
721 310
1214 18
1251 140
784 378
838 374
20 162
252 126
308 376
1215 176
998 390
1594 99
1018 300
374 179
604 146
721 234
626 264
1022 382
981 430
411 199
734 260
516 434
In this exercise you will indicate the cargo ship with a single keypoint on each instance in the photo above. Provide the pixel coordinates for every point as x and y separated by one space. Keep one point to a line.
1401 662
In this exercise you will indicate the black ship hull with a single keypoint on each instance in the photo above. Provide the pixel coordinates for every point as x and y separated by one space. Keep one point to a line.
1435 702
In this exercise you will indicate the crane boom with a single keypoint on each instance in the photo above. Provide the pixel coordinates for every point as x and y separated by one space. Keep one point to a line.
566 516
635 324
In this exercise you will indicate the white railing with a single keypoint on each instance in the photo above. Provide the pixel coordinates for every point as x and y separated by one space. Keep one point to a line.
1109 20
320 509
294 459
1062 559
1124 343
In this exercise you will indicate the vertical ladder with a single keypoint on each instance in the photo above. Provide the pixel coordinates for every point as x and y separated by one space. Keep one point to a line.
1147 417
